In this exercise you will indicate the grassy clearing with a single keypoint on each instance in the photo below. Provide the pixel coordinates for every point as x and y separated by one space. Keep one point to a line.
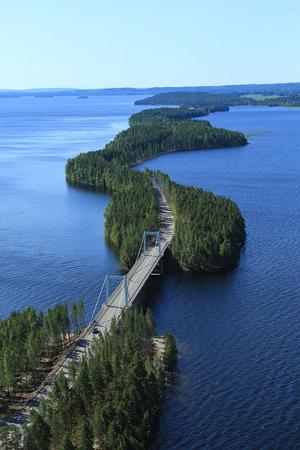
259 97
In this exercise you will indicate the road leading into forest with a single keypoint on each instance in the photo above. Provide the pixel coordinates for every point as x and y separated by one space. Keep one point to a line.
136 278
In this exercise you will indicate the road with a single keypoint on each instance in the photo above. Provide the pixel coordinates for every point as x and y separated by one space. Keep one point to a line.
139 273
137 277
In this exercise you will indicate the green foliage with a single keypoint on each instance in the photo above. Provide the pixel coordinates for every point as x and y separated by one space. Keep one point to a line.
193 99
131 211
167 113
27 340
66 443
133 208
114 398
148 139
37 434
84 434
216 101
170 355
209 228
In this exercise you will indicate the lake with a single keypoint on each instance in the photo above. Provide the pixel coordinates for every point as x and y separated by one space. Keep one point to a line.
52 235
238 334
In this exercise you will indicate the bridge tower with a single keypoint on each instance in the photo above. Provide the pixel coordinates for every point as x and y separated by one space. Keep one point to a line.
155 234
110 284
118 285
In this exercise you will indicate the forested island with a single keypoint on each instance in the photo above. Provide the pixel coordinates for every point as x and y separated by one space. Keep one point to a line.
224 100
133 208
110 398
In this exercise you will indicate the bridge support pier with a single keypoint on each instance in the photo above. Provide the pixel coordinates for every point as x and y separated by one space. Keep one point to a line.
126 293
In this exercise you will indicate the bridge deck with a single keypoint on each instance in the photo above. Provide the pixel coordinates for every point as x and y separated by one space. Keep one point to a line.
139 273
137 277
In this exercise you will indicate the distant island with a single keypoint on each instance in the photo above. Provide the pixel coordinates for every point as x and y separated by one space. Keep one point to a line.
210 225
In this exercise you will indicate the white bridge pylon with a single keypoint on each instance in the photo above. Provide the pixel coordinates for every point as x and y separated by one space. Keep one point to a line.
115 290
152 234
112 284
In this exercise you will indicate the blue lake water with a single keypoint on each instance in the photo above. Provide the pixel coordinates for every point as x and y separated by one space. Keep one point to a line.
52 243
238 334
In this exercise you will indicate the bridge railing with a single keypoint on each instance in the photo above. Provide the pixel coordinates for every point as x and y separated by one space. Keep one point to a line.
114 285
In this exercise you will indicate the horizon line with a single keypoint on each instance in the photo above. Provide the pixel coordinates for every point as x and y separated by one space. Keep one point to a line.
145 87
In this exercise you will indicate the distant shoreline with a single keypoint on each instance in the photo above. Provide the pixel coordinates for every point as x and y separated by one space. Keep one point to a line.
290 88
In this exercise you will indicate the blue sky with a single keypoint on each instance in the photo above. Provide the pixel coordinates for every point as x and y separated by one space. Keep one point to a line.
140 43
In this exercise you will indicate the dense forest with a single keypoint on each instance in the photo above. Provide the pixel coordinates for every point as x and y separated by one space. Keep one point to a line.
149 139
209 228
213 100
192 99
30 342
133 208
111 397
172 113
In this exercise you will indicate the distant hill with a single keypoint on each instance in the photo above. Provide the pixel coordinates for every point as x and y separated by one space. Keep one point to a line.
242 89
220 102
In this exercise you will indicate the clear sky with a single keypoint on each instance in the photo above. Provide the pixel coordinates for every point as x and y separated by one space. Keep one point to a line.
141 43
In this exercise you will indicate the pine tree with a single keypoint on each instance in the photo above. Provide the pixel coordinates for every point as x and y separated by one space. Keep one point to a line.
84 434
38 433
80 312
74 315
66 443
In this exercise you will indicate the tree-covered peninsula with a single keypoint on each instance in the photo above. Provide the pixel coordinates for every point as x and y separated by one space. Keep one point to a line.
210 230
192 100
172 113
133 208
111 398
219 102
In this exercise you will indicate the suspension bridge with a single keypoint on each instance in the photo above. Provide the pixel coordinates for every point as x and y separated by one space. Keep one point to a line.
119 292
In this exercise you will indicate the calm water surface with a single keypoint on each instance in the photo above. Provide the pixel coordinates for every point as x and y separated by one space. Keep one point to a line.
52 243
238 334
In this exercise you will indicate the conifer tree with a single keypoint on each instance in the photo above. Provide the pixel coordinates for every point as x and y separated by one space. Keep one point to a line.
84 434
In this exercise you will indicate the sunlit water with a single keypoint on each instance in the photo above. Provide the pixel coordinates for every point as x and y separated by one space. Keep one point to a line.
52 243
238 334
